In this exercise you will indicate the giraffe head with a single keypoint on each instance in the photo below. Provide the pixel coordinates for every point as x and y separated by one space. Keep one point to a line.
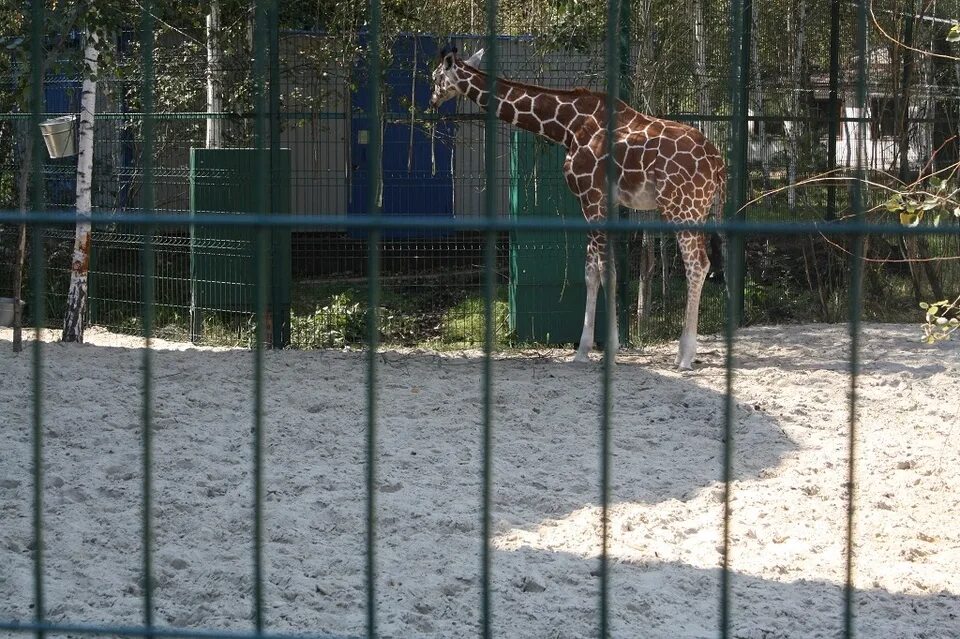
445 75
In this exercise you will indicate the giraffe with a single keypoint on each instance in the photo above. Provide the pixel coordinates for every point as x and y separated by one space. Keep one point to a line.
661 164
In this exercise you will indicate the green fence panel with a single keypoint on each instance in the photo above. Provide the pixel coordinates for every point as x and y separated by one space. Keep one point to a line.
222 258
547 287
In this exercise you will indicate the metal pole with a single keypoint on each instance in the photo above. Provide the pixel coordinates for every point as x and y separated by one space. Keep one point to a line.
740 22
856 285
622 242
37 259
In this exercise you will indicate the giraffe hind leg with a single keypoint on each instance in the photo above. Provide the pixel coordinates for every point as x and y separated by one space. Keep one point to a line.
693 250
595 273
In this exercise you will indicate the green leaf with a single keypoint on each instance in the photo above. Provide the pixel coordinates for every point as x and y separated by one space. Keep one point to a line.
924 305
933 310
909 219
935 182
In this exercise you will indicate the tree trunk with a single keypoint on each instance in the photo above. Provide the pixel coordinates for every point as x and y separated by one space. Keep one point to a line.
214 78
24 179
73 321
704 103
796 72
758 106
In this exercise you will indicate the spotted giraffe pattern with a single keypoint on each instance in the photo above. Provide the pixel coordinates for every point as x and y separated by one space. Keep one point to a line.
661 165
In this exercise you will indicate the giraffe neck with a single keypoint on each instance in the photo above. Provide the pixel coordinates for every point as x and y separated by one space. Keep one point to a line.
552 114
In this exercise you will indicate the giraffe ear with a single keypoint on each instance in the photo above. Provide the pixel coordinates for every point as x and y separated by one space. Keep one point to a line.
474 60
448 60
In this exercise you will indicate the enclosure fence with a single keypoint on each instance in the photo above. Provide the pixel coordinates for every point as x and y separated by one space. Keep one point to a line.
267 224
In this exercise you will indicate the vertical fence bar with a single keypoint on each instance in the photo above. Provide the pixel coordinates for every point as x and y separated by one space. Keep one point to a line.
740 34
147 297
856 276
609 285
834 121
625 93
489 290
279 315
263 9
374 164
37 282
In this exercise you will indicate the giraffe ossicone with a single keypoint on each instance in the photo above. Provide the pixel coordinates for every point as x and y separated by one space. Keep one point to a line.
661 164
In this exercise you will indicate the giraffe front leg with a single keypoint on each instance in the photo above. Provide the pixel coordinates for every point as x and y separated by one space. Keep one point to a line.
592 272
607 261
592 276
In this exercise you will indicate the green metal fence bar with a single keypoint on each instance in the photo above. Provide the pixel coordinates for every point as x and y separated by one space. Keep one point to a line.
740 24
856 277
263 9
279 317
733 227
613 71
374 165
489 289
37 282
147 203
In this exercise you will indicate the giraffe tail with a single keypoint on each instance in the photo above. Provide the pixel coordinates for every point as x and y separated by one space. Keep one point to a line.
718 241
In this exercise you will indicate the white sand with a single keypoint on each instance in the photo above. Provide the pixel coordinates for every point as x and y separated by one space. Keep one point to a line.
789 513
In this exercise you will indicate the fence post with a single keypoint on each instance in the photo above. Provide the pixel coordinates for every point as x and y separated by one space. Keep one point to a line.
623 241
740 34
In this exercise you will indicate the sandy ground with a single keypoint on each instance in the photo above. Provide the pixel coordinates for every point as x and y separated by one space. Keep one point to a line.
788 517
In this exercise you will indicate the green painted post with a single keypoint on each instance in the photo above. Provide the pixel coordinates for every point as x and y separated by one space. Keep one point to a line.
374 166
740 34
614 74
280 257
147 297
856 286
622 244
37 260
489 291
263 9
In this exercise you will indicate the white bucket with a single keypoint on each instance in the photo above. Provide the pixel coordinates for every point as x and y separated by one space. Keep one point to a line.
60 136
6 311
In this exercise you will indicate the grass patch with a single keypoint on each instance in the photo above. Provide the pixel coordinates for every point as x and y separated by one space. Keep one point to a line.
465 323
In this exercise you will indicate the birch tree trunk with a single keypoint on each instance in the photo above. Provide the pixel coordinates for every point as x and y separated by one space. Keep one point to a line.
704 103
757 95
73 321
796 72
22 188
214 78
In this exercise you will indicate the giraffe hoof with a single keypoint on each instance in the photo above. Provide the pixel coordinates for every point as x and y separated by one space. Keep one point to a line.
581 358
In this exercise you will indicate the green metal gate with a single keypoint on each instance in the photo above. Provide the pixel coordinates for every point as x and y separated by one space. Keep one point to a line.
223 257
547 289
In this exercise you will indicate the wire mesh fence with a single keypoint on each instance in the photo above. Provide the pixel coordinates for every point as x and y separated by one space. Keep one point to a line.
352 197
